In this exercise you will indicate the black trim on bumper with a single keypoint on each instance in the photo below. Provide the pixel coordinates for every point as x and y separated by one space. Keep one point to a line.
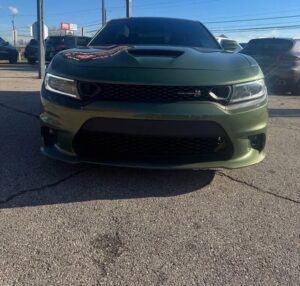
152 141
166 128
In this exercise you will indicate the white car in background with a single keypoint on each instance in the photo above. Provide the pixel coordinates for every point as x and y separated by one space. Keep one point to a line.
229 44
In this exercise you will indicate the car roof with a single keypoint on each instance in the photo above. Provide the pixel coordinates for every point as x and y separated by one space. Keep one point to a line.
274 38
68 36
155 18
223 38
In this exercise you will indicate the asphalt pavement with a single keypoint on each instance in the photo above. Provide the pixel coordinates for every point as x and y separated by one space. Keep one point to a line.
66 224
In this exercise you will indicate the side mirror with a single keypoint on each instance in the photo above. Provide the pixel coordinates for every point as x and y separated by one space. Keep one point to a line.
229 45
228 48
6 43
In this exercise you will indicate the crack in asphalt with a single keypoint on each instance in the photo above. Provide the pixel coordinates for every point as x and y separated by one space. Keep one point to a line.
255 187
58 182
50 185
19 111
82 171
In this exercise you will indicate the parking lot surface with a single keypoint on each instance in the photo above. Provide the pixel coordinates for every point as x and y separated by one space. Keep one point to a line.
84 225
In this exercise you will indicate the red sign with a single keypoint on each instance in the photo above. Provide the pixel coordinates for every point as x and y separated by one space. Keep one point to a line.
64 26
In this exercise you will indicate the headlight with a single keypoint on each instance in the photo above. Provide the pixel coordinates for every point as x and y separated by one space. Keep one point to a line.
61 85
248 91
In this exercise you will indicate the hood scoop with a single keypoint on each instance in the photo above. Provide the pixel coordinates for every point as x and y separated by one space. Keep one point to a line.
155 53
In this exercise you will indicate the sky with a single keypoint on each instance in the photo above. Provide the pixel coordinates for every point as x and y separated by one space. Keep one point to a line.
237 19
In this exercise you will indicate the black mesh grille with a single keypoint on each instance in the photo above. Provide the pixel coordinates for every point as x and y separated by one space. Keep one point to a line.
118 147
146 93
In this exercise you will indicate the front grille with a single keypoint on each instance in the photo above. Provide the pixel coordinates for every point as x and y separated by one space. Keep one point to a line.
148 93
99 146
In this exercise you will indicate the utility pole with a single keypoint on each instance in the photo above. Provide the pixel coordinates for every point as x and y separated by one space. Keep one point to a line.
14 30
40 32
128 8
103 13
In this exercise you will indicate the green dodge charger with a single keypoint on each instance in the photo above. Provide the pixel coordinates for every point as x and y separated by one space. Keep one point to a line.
154 93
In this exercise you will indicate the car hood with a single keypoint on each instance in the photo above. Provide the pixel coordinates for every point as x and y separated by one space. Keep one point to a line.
155 64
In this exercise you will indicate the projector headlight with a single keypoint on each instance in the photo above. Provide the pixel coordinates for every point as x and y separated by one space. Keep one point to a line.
61 85
248 91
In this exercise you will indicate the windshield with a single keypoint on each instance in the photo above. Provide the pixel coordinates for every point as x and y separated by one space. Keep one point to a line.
155 31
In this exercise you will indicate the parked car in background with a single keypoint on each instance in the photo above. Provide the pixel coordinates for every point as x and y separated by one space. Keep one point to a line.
154 93
55 44
31 51
8 52
229 45
279 59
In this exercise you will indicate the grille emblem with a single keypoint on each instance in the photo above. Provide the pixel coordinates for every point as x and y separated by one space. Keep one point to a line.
197 93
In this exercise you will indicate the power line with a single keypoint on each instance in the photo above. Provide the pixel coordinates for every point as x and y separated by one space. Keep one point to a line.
235 21
153 4
256 13
91 25
165 5
258 29
172 3
252 26
254 19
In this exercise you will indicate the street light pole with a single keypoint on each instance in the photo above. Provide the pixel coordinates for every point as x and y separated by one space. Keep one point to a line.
128 8
40 32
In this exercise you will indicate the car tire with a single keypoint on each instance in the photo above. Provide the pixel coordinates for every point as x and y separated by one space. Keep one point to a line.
13 60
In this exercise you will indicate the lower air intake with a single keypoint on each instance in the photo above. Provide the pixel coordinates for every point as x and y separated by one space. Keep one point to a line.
97 146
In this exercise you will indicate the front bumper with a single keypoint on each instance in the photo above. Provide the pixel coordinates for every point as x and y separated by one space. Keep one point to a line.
63 120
